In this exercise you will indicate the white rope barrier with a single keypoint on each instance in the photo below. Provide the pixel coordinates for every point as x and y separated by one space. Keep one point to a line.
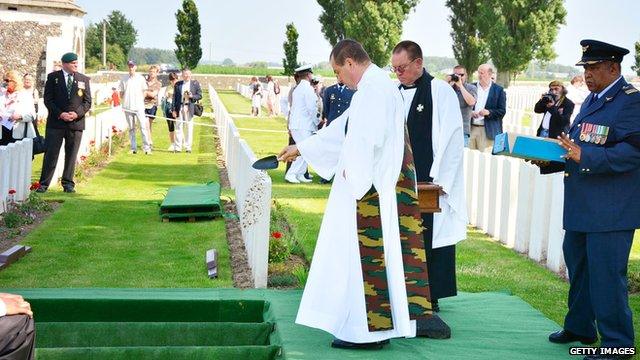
201 124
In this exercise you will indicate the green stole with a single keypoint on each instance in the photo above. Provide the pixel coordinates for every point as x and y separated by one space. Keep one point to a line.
376 287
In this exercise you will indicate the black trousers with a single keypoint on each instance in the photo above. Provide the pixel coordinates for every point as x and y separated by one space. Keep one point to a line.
441 264
54 139
17 335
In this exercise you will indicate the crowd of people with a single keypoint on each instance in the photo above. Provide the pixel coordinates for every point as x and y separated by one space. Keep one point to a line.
141 97
271 93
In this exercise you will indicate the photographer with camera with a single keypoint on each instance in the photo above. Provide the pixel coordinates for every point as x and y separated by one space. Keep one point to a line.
467 95
557 110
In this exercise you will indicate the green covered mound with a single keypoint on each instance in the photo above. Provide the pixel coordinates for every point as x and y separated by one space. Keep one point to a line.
191 201
260 324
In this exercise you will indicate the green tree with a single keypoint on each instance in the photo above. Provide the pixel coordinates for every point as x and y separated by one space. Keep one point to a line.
228 62
290 60
93 41
187 39
116 56
152 56
636 67
120 31
468 47
518 31
377 24
332 20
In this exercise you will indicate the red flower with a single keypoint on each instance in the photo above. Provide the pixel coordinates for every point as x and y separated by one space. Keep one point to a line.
276 235
12 191
92 142
35 186
83 158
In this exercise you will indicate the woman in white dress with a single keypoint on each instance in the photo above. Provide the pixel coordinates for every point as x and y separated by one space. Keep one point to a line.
256 96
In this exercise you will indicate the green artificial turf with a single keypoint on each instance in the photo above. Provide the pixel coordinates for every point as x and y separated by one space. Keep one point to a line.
485 325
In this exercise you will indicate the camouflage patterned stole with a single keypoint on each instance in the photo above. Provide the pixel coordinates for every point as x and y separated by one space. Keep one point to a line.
376 288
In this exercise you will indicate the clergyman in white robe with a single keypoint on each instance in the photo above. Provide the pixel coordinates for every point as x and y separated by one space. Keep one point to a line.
370 153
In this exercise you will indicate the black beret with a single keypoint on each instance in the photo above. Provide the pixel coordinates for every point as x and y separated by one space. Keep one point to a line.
594 51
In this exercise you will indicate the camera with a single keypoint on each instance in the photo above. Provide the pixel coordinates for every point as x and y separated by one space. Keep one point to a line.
549 97
454 77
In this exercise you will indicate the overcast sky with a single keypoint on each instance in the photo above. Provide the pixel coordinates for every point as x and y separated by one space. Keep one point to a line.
248 30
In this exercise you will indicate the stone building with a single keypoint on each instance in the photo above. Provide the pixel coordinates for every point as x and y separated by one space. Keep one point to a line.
34 34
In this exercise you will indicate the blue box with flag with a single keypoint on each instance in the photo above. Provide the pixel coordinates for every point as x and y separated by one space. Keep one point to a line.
528 147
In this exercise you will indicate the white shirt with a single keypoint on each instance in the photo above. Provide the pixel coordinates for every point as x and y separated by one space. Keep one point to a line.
483 94
545 120
3 308
66 77
304 108
133 87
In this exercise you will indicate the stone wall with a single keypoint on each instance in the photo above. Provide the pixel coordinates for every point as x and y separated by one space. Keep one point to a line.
23 47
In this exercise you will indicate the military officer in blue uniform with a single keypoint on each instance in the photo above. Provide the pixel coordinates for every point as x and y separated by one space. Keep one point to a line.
336 100
601 203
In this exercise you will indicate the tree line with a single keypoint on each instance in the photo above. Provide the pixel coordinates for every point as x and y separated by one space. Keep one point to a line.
121 36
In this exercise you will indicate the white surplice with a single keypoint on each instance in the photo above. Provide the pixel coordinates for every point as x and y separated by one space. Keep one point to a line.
449 225
371 153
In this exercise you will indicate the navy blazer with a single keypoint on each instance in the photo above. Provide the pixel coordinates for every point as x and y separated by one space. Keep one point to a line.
194 89
497 106
57 100
602 193
335 102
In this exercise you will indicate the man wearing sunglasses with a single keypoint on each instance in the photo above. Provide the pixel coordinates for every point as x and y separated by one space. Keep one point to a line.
467 95
434 123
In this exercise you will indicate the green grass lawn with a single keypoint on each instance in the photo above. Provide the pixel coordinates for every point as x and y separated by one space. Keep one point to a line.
482 264
109 233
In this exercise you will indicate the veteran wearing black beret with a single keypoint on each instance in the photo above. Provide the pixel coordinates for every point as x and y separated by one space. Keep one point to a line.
601 204
67 96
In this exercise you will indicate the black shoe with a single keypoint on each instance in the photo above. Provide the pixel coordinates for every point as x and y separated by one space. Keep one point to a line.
564 337
42 189
432 327
69 189
607 357
341 344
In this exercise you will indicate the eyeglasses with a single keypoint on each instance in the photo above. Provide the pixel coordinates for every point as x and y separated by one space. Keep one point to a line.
400 69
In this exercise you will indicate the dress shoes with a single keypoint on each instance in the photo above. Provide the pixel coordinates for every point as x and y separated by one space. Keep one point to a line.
42 189
341 344
565 336
291 179
607 357
69 189
432 327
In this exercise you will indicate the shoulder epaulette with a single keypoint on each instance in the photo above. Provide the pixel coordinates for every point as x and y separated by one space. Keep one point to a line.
629 89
